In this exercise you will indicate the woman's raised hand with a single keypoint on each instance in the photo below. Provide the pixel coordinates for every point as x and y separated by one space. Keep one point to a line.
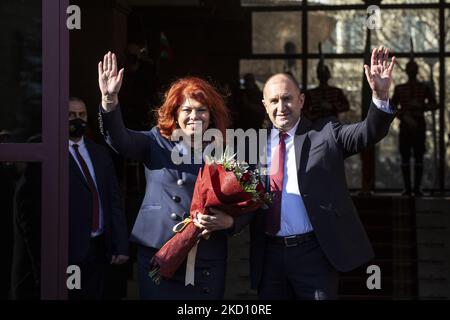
109 80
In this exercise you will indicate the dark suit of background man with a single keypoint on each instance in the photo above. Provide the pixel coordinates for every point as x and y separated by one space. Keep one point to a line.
312 230
97 227
413 98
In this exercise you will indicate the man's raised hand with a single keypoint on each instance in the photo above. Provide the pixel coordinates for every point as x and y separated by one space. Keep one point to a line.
379 74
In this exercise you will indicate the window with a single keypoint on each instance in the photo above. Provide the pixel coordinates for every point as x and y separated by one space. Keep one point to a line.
33 126
338 31
399 25
278 32
447 124
21 76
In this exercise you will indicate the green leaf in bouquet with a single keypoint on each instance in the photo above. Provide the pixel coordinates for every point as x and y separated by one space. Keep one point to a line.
155 276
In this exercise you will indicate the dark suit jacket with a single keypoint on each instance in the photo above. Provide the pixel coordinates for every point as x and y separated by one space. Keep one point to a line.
80 206
320 150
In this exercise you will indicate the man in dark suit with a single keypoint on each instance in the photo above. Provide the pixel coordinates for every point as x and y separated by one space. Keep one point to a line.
413 99
311 230
97 226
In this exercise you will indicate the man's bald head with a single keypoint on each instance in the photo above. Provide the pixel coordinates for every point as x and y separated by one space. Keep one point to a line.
281 77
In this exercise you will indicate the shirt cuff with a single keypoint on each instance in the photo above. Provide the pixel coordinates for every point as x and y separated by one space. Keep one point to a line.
383 105
103 111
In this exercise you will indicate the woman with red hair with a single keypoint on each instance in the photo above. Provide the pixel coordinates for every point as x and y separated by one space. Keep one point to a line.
191 106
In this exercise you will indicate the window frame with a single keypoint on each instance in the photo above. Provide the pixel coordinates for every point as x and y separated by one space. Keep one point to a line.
305 56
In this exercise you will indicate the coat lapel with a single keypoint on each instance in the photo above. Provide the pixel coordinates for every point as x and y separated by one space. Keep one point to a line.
302 145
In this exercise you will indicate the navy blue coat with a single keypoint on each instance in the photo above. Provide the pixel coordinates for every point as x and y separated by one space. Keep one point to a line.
166 203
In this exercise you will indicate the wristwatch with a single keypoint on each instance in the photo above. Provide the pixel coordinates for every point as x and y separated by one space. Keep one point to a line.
107 98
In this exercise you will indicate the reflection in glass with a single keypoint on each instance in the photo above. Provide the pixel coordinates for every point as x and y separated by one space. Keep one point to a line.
263 69
21 76
347 75
276 32
255 3
447 123
20 196
399 25
338 31
388 160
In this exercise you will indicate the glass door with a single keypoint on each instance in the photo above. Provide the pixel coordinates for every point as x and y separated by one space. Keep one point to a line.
33 148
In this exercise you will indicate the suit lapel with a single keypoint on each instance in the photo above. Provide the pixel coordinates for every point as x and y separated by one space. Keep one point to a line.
96 163
299 140
302 145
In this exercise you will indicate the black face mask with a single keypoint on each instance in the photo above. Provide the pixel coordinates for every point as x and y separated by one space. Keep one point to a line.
77 128
132 59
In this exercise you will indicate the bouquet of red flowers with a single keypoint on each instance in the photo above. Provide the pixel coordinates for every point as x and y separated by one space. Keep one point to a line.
224 184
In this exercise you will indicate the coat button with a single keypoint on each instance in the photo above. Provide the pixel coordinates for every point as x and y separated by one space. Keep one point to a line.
174 216
180 182
177 199
206 273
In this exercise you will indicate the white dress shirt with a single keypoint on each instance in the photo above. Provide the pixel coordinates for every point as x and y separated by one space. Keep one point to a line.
85 154
383 105
294 217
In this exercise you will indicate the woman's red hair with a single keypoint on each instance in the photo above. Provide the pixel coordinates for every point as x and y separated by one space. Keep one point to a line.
199 90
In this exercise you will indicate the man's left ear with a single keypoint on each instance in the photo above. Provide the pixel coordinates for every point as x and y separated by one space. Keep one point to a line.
302 100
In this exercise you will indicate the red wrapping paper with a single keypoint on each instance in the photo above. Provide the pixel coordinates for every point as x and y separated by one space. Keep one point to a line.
214 187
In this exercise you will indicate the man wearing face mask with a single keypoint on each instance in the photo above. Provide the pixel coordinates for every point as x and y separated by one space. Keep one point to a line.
98 233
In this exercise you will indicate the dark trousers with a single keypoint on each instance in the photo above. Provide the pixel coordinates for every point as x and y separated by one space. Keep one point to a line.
93 270
298 272
209 280
412 140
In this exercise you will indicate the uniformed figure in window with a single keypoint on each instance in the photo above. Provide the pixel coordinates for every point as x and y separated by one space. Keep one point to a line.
325 100
412 99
